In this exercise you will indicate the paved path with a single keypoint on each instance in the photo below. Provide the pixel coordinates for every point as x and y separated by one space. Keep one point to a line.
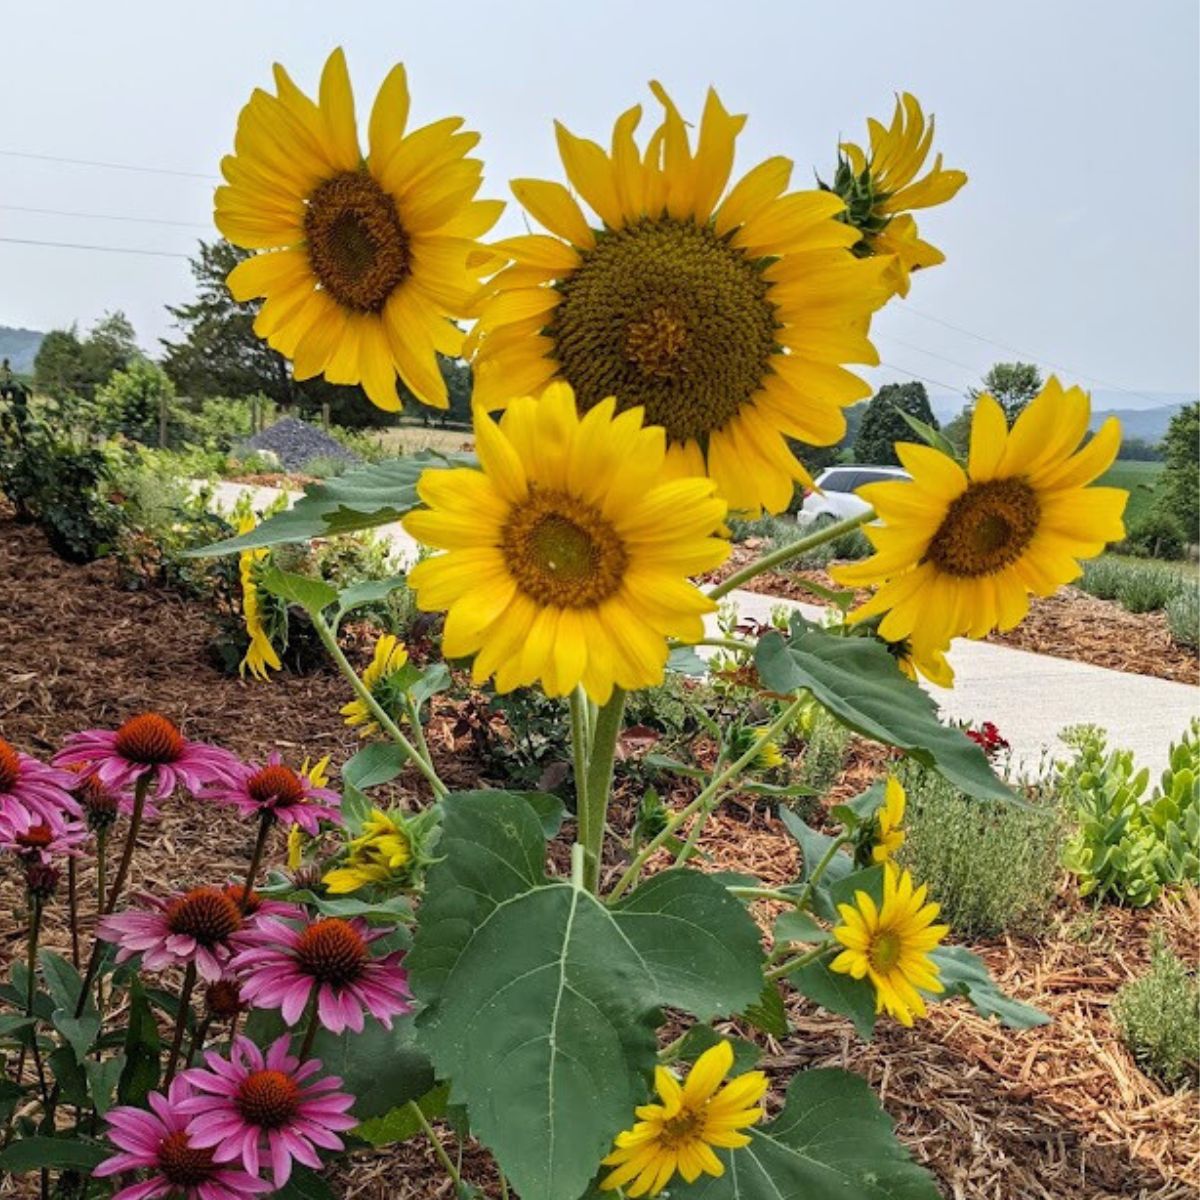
1030 697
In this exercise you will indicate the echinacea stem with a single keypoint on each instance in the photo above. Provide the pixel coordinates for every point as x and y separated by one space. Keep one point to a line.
185 1007
35 928
265 821
599 783
73 907
314 1023
435 1142
135 827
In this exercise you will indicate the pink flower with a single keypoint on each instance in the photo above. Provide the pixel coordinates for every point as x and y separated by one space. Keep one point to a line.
147 744
189 927
288 796
101 803
34 838
251 1105
34 786
158 1142
281 966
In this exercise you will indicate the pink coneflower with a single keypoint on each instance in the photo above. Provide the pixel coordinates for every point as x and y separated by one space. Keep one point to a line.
158 1142
223 1000
281 966
144 744
250 1106
287 796
101 803
34 839
190 927
33 785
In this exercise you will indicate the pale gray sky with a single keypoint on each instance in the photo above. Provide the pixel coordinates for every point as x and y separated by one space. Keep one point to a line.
1075 242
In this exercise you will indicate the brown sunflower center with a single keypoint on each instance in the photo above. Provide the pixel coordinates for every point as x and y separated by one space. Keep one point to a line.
10 767
563 552
276 785
884 951
986 529
149 739
206 914
356 245
666 314
680 1130
183 1164
268 1099
332 951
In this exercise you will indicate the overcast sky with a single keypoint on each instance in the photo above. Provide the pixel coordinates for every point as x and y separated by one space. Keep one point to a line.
1075 243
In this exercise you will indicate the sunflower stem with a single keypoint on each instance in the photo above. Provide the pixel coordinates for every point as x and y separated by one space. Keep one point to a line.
423 764
185 1007
599 783
711 790
777 557
794 964
436 1143
414 719
580 743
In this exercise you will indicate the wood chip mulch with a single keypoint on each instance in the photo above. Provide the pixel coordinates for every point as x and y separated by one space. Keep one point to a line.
1056 1113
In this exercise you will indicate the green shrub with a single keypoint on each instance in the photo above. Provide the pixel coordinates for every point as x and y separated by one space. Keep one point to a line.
1147 587
1156 534
1183 616
1102 577
991 866
826 744
134 402
217 423
1158 1016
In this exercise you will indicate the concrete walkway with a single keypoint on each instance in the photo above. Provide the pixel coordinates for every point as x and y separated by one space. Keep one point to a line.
1030 697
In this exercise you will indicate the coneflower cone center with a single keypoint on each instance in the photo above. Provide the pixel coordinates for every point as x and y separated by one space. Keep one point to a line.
182 1163
276 785
268 1099
986 529
332 951
223 999
10 767
357 247
562 551
884 951
664 313
149 739
205 914
36 837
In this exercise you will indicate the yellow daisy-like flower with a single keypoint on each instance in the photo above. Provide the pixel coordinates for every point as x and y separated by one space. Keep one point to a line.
377 855
881 187
769 755
569 552
959 551
725 315
317 772
889 944
297 839
260 655
888 818
678 1133
389 657
368 259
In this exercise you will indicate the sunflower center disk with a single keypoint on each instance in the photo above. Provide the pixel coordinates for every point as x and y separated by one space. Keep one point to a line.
205 914
562 552
268 1099
682 1129
332 951
356 245
183 1164
10 767
665 314
884 952
987 528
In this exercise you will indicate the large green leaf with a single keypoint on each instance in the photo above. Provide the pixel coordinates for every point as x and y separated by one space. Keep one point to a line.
814 845
313 595
857 681
62 1153
382 1068
542 1002
965 974
362 499
838 993
832 1141
142 1050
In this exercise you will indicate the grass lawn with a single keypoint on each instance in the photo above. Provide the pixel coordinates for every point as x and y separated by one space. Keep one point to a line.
1140 479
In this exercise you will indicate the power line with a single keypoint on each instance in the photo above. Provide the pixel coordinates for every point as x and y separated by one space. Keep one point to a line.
105 249
932 354
58 212
924 378
109 166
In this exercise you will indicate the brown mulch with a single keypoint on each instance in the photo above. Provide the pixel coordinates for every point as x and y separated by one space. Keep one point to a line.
1053 1113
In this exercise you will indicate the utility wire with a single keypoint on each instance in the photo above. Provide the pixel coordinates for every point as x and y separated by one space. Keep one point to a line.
105 249
91 216
924 378
109 166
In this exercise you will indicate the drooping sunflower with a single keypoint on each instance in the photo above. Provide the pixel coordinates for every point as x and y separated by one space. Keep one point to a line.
889 944
569 552
725 315
260 654
889 835
960 551
880 187
379 854
677 1134
366 260
387 662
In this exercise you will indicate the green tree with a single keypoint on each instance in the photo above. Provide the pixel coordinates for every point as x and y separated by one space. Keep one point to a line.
111 345
69 366
133 401
1012 384
883 426
58 365
957 430
1179 492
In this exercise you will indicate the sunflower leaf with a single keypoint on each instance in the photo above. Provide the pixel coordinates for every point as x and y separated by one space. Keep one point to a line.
965 974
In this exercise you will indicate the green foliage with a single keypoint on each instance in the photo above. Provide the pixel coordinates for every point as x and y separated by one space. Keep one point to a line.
136 402
1180 491
68 365
1102 577
826 744
1012 384
1158 1016
1147 588
1141 479
1156 534
217 423
883 425
1183 616
991 867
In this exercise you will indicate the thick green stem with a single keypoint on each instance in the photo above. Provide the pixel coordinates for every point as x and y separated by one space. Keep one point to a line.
599 783
422 763
414 719
185 1007
801 960
783 554
712 790
436 1143
580 746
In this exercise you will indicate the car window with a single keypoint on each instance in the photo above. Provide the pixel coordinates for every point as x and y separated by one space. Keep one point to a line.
839 481
864 477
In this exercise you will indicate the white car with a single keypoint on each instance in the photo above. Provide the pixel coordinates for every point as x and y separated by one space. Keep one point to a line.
836 499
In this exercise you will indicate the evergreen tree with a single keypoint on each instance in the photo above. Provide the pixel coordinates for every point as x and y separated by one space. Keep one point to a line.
883 426
1179 492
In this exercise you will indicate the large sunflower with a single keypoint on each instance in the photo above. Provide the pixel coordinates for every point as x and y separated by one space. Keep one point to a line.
568 552
959 552
725 315
368 259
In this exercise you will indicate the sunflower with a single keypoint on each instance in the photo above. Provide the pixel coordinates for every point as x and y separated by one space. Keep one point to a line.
889 944
959 551
260 654
726 316
918 660
568 552
380 854
678 1133
388 660
887 819
366 260
881 186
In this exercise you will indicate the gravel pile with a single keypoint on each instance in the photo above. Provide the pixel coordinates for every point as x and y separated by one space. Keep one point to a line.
296 444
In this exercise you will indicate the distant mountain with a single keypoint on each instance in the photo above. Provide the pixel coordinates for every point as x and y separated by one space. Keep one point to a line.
1149 424
19 346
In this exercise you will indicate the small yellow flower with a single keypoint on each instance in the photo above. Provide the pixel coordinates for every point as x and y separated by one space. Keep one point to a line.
389 658
296 840
260 654
378 855
891 836
318 772
678 1133
769 754
890 944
